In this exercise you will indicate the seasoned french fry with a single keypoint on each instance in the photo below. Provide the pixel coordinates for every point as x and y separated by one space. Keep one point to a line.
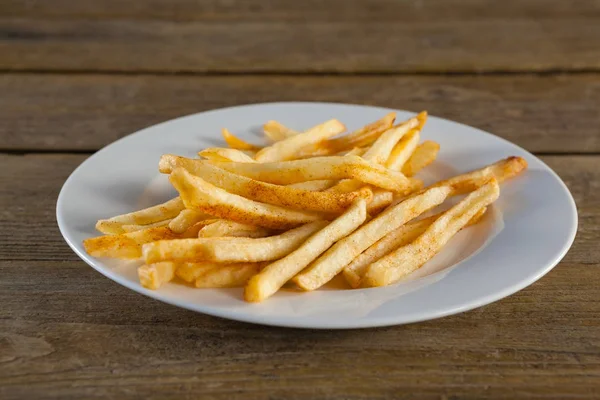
133 228
284 196
189 271
225 154
233 275
230 250
288 172
236 143
129 245
275 275
409 258
403 150
154 275
149 215
290 147
501 170
405 234
315 186
197 194
186 219
277 131
380 151
381 199
359 138
224 228
344 251
424 154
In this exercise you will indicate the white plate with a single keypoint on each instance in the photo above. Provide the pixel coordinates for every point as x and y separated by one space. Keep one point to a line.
527 232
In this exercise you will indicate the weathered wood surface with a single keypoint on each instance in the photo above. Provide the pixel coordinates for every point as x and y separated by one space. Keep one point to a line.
550 113
313 36
69 333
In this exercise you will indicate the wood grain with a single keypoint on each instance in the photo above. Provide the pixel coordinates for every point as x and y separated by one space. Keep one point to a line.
550 113
70 333
278 36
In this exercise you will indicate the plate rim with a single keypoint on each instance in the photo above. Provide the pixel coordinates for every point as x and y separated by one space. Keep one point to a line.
289 322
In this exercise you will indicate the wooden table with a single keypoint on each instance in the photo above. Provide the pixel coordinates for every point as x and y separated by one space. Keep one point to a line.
75 76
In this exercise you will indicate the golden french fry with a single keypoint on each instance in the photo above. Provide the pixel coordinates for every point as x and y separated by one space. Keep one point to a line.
501 170
275 275
424 154
197 194
381 199
290 147
225 154
277 131
224 228
315 186
189 271
405 234
359 138
236 143
409 258
186 219
233 275
343 252
149 215
403 150
133 228
380 151
230 250
154 275
129 245
284 196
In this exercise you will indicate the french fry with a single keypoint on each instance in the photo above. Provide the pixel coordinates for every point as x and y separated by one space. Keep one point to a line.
133 228
186 219
290 147
296 171
233 275
403 150
149 215
424 154
197 194
129 245
154 275
230 250
501 170
359 138
284 196
225 154
189 271
277 131
275 275
405 234
409 258
315 186
381 199
378 153
236 143
381 149
344 251
224 228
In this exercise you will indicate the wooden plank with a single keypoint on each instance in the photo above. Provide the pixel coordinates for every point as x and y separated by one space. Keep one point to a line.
69 333
551 113
260 10
336 36
29 186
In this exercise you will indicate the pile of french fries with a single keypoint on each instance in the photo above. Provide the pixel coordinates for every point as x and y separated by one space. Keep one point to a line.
300 211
